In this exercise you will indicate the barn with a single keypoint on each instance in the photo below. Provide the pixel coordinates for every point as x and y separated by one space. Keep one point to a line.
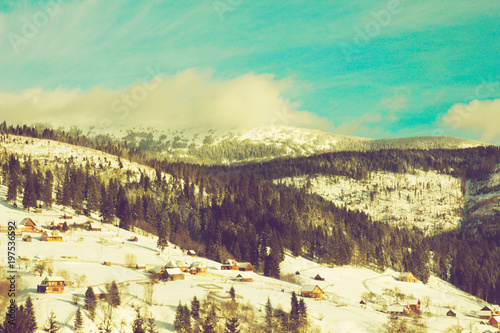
313 291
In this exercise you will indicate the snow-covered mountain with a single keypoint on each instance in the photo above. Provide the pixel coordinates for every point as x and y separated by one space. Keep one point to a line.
240 145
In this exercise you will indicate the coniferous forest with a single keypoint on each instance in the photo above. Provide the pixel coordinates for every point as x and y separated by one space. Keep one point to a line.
237 212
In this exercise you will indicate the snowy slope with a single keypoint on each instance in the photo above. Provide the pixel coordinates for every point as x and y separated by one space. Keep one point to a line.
428 200
340 311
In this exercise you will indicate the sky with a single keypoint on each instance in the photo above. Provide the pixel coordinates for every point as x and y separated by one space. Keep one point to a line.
377 69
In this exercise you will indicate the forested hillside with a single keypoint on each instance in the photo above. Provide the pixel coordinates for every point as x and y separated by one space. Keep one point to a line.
238 212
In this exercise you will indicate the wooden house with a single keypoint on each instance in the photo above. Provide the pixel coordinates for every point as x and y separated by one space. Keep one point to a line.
183 266
319 278
362 302
407 277
133 239
451 313
494 321
230 265
140 266
54 236
27 238
245 266
172 274
27 225
484 313
397 308
197 268
297 273
312 291
382 301
157 270
242 277
413 304
92 228
107 263
38 211
51 284
99 292
191 253
66 217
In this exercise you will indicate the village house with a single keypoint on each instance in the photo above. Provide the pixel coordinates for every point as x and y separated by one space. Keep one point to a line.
140 266
191 253
157 270
230 265
313 291
51 284
99 292
133 239
245 266
172 274
382 301
413 304
397 308
319 278
484 313
407 277
27 238
243 277
494 321
184 267
451 313
197 268
54 236
27 225
107 263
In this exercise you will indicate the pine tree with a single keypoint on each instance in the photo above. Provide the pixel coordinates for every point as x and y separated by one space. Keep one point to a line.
90 302
31 316
93 195
138 326
107 208
113 295
78 324
46 192
65 196
232 325
19 324
195 308
14 171
269 323
163 232
182 322
51 326
151 326
302 314
232 294
210 322
29 194
294 313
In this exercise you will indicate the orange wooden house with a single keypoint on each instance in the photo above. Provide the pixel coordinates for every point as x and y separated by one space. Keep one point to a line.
407 277
52 284
54 236
313 291
230 265
27 225
245 266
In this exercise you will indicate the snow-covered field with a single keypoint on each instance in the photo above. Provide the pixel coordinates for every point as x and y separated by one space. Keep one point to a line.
428 200
340 311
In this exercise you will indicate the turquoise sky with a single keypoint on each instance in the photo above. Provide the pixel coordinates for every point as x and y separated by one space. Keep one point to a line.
369 68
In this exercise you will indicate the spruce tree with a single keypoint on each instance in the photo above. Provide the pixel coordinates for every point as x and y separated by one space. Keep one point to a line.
269 323
30 316
302 314
294 313
232 325
232 294
46 191
182 322
195 308
14 171
90 302
51 326
29 194
138 326
113 295
78 324
151 326
210 322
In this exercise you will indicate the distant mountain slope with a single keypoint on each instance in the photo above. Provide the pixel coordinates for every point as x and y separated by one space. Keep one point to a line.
227 146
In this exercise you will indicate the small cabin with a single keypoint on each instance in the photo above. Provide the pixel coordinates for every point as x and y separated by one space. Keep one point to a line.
407 277
484 313
52 284
362 302
27 238
297 273
197 268
99 292
133 239
312 291
38 211
245 266
107 263
242 277
319 278
413 304
54 236
66 217
451 313
230 265
172 274
140 266
494 321
397 308
191 253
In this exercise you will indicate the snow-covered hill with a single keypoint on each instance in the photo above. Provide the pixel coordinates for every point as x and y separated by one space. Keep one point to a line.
428 200
340 311
237 145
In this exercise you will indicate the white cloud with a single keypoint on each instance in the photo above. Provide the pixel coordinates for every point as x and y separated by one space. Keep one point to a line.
479 116
189 98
